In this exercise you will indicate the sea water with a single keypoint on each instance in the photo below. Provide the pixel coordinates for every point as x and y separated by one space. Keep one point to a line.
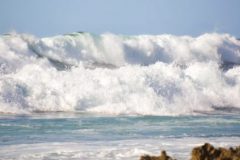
87 96
86 136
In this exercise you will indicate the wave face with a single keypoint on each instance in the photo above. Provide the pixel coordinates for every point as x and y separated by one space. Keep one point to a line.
113 74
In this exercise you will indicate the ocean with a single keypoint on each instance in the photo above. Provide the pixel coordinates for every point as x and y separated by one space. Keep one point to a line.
87 96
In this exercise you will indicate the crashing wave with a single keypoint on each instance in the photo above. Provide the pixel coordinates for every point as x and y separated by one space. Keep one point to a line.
115 74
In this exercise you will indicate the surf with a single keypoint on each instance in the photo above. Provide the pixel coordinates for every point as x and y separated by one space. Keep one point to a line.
118 74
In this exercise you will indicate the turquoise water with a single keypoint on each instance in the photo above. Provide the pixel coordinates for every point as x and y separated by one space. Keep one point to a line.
81 132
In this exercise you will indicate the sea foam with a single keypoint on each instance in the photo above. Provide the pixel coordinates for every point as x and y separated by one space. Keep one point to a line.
115 74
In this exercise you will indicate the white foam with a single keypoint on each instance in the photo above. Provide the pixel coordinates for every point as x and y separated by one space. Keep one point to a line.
154 75
102 150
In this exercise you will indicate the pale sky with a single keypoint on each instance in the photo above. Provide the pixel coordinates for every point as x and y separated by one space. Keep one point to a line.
128 17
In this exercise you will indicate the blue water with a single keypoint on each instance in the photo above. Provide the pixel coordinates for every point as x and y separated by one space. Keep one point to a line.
68 128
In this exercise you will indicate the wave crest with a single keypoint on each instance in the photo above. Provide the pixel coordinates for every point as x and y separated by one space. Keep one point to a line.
113 74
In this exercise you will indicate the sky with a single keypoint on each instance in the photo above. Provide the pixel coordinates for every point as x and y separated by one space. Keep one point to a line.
128 17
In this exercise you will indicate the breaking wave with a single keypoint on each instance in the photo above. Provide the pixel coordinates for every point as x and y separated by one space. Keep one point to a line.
114 74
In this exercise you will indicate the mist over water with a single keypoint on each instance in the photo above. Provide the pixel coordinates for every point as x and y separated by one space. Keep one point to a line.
115 74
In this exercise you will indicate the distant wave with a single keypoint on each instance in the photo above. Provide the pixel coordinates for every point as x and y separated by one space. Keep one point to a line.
115 74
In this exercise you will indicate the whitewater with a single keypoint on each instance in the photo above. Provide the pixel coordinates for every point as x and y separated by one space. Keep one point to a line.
113 97
116 74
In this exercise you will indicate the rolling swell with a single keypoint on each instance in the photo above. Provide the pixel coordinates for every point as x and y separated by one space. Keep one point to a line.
114 74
